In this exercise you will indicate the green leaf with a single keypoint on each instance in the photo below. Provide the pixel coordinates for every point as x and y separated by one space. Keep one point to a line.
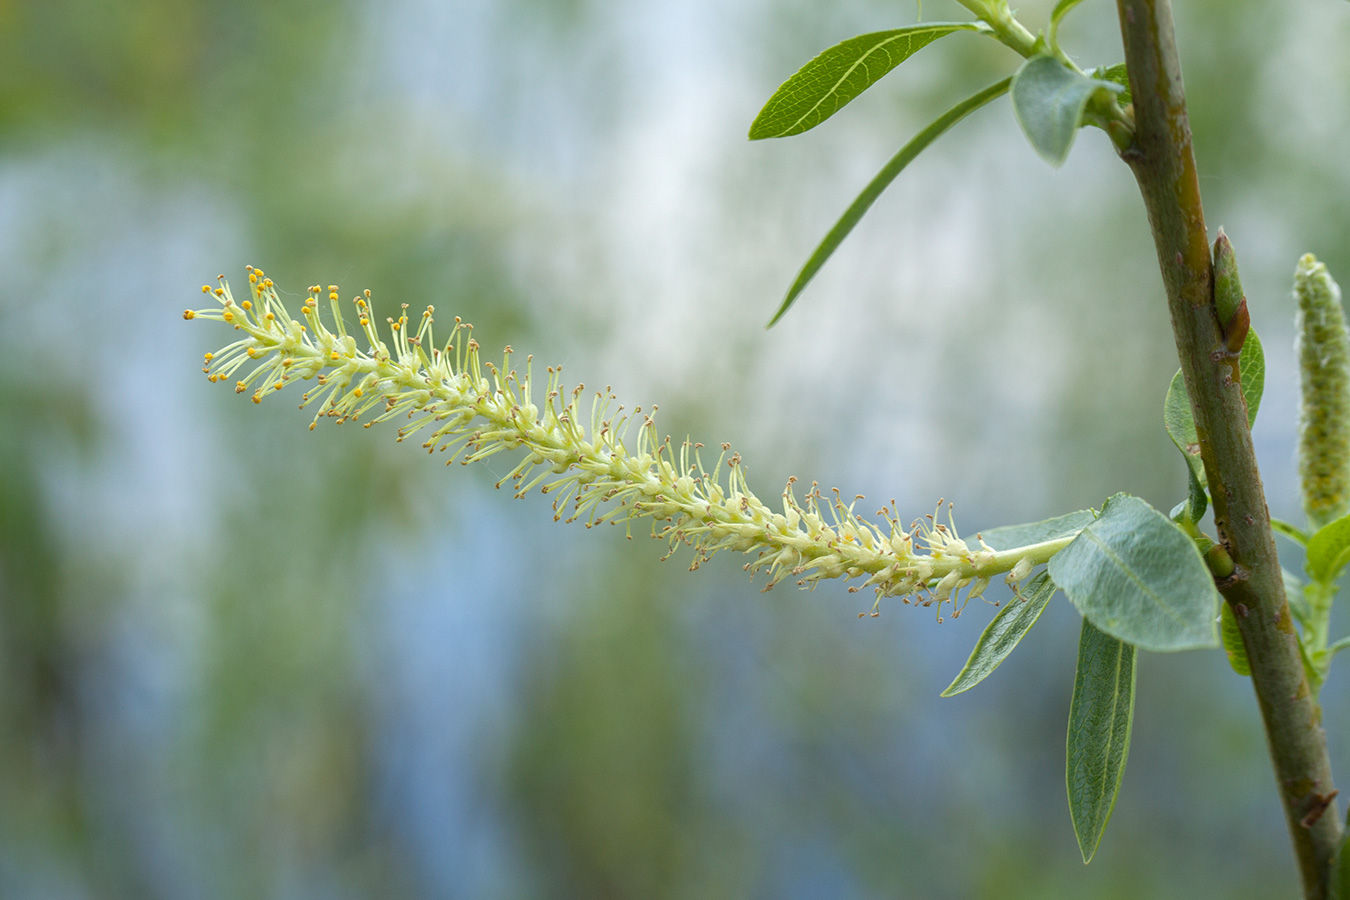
1116 74
1293 532
1007 537
1180 426
1049 99
1177 405
1138 577
878 184
1232 641
1061 9
1252 370
1338 884
1100 717
1188 512
1196 498
824 85
1329 550
1003 633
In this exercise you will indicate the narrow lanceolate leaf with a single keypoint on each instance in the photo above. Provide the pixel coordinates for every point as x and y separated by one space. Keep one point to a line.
1232 642
1049 99
1003 633
1061 10
1329 550
824 85
878 184
1289 530
1008 536
1137 576
1099 733
1177 415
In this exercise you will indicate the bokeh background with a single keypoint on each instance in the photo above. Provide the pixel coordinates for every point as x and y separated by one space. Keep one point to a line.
240 659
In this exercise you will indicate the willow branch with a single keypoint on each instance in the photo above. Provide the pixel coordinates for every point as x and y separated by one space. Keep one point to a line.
1164 166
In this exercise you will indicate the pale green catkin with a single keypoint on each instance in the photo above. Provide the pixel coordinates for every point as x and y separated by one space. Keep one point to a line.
602 465
1324 427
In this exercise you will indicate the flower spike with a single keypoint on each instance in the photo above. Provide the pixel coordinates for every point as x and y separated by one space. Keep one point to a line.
607 465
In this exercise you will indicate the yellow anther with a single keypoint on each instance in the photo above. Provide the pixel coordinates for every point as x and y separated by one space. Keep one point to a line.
253 277
227 316
332 295
270 317
357 393
219 292
268 282
206 289
334 356
209 356
189 314
364 321
247 304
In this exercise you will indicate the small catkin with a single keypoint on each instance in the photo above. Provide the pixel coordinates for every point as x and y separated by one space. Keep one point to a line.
1324 427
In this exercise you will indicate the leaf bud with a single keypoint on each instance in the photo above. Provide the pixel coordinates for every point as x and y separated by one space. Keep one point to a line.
1229 302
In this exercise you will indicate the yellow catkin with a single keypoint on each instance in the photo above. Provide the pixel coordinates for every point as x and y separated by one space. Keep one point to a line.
1324 426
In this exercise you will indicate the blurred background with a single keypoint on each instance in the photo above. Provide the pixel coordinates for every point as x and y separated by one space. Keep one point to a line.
240 659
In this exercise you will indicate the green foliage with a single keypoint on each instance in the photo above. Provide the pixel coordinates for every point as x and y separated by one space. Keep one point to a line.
1139 578
1329 550
1289 530
1116 74
827 83
1340 873
878 184
1003 633
1060 11
1050 100
1177 415
1232 641
1100 718
1008 536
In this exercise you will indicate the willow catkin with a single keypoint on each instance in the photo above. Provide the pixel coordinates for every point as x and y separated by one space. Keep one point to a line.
1324 426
